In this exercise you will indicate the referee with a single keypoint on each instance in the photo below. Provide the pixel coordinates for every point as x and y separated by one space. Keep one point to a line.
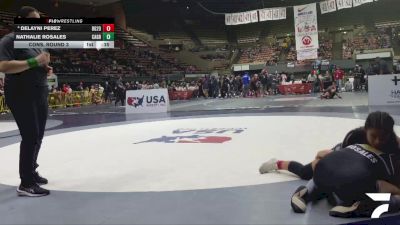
26 92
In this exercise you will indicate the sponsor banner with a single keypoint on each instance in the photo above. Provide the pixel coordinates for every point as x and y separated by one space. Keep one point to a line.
241 18
272 14
254 16
234 18
344 4
180 95
367 1
228 19
328 6
265 14
147 101
306 26
384 90
275 14
331 5
295 88
348 3
282 13
357 3
307 54
324 7
246 17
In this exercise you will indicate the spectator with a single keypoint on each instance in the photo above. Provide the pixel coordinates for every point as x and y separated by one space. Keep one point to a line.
205 87
311 78
264 83
156 86
339 75
65 88
119 91
359 77
107 92
292 78
254 87
380 66
283 78
398 67
246 83
348 86
80 86
214 87
53 89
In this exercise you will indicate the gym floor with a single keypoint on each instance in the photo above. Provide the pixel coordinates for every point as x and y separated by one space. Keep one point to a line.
197 164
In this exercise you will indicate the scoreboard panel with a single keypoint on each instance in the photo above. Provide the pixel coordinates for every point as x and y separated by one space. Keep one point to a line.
81 33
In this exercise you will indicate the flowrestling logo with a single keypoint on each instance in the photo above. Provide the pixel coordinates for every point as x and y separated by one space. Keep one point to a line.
379 197
198 136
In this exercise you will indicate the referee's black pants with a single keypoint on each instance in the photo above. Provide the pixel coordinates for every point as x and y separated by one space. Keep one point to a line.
29 107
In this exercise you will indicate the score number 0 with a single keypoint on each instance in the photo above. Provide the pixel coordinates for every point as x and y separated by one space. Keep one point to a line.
108 27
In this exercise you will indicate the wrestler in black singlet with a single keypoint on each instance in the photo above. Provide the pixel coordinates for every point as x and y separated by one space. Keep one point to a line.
353 171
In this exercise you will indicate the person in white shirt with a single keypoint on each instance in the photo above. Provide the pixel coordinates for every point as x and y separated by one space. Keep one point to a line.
348 86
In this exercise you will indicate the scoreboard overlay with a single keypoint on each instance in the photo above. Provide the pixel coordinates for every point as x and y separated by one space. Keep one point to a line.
73 33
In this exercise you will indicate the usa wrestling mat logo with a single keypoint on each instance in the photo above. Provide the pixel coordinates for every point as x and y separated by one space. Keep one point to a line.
198 136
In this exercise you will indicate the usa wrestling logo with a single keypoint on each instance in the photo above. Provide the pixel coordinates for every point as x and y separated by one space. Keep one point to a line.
150 101
197 136
135 101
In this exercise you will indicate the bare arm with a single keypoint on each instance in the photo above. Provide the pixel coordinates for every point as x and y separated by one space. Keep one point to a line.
13 66
18 66
8 62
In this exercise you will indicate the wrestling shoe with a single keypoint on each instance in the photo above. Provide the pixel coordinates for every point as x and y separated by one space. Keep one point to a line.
299 200
269 166
358 209
33 190
39 179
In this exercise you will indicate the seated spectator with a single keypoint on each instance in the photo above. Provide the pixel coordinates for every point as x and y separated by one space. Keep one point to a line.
348 86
